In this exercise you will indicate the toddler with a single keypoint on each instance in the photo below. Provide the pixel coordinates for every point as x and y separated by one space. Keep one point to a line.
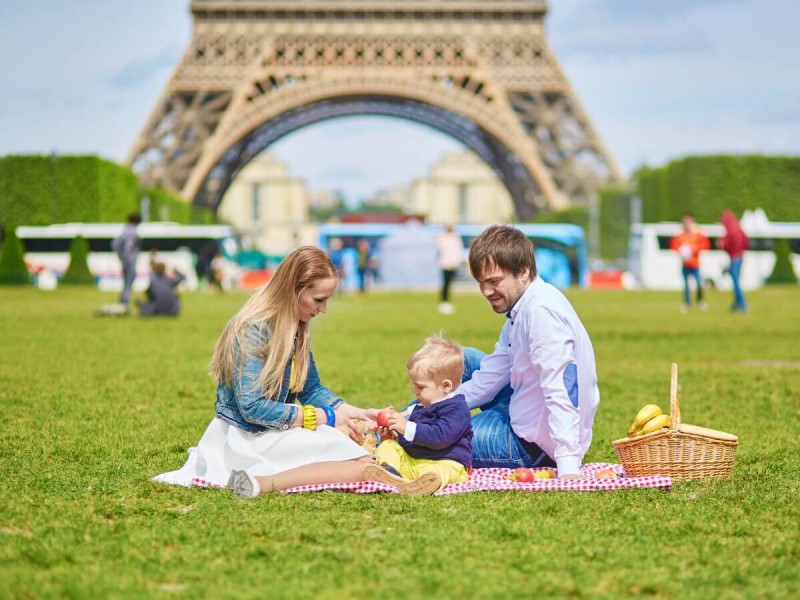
436 438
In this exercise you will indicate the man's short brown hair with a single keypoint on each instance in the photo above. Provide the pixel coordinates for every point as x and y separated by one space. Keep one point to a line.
505 247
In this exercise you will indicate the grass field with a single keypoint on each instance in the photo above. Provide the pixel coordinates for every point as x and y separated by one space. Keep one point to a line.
92 408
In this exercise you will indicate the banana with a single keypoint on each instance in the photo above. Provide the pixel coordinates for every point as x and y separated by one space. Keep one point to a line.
654 424
643 416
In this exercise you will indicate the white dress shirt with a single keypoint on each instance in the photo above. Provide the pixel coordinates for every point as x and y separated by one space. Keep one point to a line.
545 354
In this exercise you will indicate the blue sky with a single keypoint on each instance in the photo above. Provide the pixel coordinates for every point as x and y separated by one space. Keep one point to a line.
660 79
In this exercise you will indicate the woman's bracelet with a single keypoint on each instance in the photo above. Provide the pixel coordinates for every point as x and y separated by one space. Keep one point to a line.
309 417
330 415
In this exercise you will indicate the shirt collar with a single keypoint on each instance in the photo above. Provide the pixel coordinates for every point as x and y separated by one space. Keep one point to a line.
524 300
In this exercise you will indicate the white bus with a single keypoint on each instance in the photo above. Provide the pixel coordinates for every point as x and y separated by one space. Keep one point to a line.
47 251
654 266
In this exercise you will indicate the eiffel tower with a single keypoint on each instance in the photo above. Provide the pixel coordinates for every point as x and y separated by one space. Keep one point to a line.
479 71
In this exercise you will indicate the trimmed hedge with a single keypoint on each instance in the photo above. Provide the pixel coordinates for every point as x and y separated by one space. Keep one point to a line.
783 272
12 262
577 215
615 222
706 185
40 190
168 206
77 272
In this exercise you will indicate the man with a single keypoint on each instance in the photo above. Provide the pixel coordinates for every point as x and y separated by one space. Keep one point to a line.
689 243
538 390
127 247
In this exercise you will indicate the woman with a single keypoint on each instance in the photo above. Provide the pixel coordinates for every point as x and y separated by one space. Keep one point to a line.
734 243
260 440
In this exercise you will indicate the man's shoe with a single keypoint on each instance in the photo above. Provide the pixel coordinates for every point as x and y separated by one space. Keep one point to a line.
425 484
244 485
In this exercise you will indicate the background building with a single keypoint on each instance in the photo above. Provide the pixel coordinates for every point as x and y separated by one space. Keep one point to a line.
460 188
268 207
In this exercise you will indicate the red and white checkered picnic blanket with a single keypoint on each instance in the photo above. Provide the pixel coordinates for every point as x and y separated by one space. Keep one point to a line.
489 480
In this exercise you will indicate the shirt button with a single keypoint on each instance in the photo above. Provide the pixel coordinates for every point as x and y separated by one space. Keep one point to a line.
285 426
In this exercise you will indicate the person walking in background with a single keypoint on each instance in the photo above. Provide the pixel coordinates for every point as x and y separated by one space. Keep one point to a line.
365 263
206 268
689 243
336 254
734 243
127 247
451 257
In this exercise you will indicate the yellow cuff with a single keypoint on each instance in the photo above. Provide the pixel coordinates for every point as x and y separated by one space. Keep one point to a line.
309 417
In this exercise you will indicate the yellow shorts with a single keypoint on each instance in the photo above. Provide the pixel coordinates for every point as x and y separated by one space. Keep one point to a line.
392 453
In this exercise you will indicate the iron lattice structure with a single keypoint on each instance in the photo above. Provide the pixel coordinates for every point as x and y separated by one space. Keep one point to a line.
480 71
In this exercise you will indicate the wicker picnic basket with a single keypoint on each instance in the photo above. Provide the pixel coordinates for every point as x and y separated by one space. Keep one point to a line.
681 452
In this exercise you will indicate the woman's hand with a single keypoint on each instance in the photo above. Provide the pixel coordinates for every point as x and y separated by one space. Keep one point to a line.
372 413
353 418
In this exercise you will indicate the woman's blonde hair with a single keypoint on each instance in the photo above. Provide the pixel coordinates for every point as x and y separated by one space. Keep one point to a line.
274 306
439 359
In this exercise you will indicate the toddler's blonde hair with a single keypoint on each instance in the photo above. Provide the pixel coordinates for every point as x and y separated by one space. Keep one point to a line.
439 359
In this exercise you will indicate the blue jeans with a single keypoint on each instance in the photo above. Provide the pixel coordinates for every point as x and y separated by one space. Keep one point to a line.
494 443
695 273
128 277
738 297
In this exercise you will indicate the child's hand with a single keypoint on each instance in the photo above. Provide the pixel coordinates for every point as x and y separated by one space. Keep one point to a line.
385 434
397 423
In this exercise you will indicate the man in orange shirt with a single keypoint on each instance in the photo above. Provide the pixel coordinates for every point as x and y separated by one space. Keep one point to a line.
689 243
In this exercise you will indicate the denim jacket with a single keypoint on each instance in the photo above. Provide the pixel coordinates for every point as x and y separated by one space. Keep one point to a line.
244 406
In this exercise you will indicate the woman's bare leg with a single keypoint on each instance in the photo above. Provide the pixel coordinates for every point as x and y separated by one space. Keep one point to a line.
327 472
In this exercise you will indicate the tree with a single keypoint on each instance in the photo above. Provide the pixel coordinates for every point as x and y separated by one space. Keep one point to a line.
78 270
12 262
783 271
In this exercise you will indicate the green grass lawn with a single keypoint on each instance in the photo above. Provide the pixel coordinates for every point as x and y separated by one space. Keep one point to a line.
92 408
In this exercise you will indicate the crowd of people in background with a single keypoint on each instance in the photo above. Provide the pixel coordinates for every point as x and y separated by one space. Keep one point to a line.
162 298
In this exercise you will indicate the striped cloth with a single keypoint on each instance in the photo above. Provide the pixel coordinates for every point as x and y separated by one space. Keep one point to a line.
498 480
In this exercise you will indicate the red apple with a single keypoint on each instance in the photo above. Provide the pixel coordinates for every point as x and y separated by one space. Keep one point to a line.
523 475
383 417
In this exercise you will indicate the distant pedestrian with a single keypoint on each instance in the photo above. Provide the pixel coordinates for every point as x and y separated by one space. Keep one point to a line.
210 267
127 247
366 263
451 257
162 300
689 243
336 254
734 243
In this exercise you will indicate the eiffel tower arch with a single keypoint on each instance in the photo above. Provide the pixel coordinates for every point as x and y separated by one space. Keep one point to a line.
481 72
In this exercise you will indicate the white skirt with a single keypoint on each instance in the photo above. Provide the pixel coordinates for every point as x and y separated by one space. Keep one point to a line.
224 448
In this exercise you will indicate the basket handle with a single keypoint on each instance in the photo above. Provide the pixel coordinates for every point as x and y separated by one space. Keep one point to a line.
674 401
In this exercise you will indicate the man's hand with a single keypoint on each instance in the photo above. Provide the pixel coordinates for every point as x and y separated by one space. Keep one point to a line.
397 423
